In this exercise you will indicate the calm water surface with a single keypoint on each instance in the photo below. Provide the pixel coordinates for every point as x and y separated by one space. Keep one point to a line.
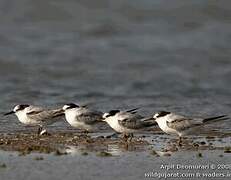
114 54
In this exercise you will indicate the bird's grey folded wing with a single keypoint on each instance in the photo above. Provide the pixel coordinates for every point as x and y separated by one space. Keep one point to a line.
44 115
182 124
34 109
132 111
133 122
149 121
90 117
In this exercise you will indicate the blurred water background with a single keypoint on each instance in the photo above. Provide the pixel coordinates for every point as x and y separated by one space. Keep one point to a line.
172 55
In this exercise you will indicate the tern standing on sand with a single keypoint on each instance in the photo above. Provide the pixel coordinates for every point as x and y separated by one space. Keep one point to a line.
127 122
83 118
180 125
34 115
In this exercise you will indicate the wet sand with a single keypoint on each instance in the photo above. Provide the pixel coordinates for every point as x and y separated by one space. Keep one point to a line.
70 155
26 143
30 142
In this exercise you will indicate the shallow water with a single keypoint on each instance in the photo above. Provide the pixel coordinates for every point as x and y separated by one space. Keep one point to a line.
129 166
154 55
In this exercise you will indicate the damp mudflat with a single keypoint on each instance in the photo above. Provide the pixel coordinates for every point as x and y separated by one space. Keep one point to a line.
74 155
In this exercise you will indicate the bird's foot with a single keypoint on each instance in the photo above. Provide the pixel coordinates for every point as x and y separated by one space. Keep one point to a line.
124 137
127 137
180 142
85 132
39 130
131 136
44 133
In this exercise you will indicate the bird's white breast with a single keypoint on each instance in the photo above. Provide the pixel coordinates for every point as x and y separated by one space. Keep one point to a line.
162 122
23 118
113 122
71 116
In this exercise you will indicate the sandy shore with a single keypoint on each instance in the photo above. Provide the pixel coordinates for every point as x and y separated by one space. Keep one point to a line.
76 156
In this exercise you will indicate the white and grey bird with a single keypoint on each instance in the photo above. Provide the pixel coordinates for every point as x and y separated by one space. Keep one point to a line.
175 124
36 116
83 118
127 122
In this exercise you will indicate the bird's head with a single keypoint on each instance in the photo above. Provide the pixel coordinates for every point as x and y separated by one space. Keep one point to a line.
160 114
70 106
17 108
110 113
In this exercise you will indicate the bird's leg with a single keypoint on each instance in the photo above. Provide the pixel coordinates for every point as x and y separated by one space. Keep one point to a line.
131 135
39 130
85 132
180 141
42 131
125 137
128 137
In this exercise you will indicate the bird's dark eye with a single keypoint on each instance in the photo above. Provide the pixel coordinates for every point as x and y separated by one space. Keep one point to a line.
22 106
162 113
112 113
71 105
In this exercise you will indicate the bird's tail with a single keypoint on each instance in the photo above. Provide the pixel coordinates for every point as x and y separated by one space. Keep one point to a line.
149 121
214 119
133 111
58 112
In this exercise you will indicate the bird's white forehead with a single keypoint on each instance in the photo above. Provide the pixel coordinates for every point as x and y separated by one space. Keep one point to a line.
105 115
156 115
65 107
16 108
